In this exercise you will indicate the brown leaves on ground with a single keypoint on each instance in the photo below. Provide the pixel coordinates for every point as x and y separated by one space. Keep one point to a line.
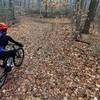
54 68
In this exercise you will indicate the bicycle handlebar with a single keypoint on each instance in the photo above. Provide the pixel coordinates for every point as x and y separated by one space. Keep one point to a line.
13 46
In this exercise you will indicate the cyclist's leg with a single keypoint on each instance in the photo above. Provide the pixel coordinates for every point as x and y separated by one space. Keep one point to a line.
8 55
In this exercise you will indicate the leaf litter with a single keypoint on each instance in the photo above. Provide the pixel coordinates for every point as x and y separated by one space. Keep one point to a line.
52 69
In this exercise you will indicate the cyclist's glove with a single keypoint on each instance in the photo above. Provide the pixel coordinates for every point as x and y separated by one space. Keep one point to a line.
21 45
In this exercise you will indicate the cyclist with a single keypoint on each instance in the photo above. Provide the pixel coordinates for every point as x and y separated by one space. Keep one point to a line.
4 40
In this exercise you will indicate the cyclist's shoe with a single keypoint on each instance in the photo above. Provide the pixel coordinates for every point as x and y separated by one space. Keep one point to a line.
8 69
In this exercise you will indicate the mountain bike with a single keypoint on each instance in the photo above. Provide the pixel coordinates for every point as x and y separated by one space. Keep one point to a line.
16 60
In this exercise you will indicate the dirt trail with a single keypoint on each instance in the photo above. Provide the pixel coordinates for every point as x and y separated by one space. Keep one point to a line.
52 70
18 86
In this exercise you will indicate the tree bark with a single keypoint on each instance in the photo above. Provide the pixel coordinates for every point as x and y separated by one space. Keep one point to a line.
11 6
46 9
24 3
90 16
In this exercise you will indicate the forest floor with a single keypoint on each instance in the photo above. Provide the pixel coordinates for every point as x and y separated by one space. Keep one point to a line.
55 67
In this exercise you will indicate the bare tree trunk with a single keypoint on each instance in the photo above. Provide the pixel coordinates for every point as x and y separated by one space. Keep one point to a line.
11 5
4 3
39 6
46 9
24 3
90 16
29 3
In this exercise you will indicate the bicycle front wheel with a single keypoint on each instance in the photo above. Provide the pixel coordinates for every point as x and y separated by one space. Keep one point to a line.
19 57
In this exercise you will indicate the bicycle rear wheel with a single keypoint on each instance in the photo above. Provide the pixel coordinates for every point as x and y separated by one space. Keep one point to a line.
19 57
3 76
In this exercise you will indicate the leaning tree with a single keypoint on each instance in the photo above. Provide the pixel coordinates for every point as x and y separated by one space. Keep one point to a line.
90 15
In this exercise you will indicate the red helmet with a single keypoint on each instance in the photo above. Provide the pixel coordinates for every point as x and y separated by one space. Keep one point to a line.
3 26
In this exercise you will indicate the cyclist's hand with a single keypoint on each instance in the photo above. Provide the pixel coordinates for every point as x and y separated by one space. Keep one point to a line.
21 45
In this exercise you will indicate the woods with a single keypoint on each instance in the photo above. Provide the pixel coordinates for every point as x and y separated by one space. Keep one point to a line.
61 41
51 8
